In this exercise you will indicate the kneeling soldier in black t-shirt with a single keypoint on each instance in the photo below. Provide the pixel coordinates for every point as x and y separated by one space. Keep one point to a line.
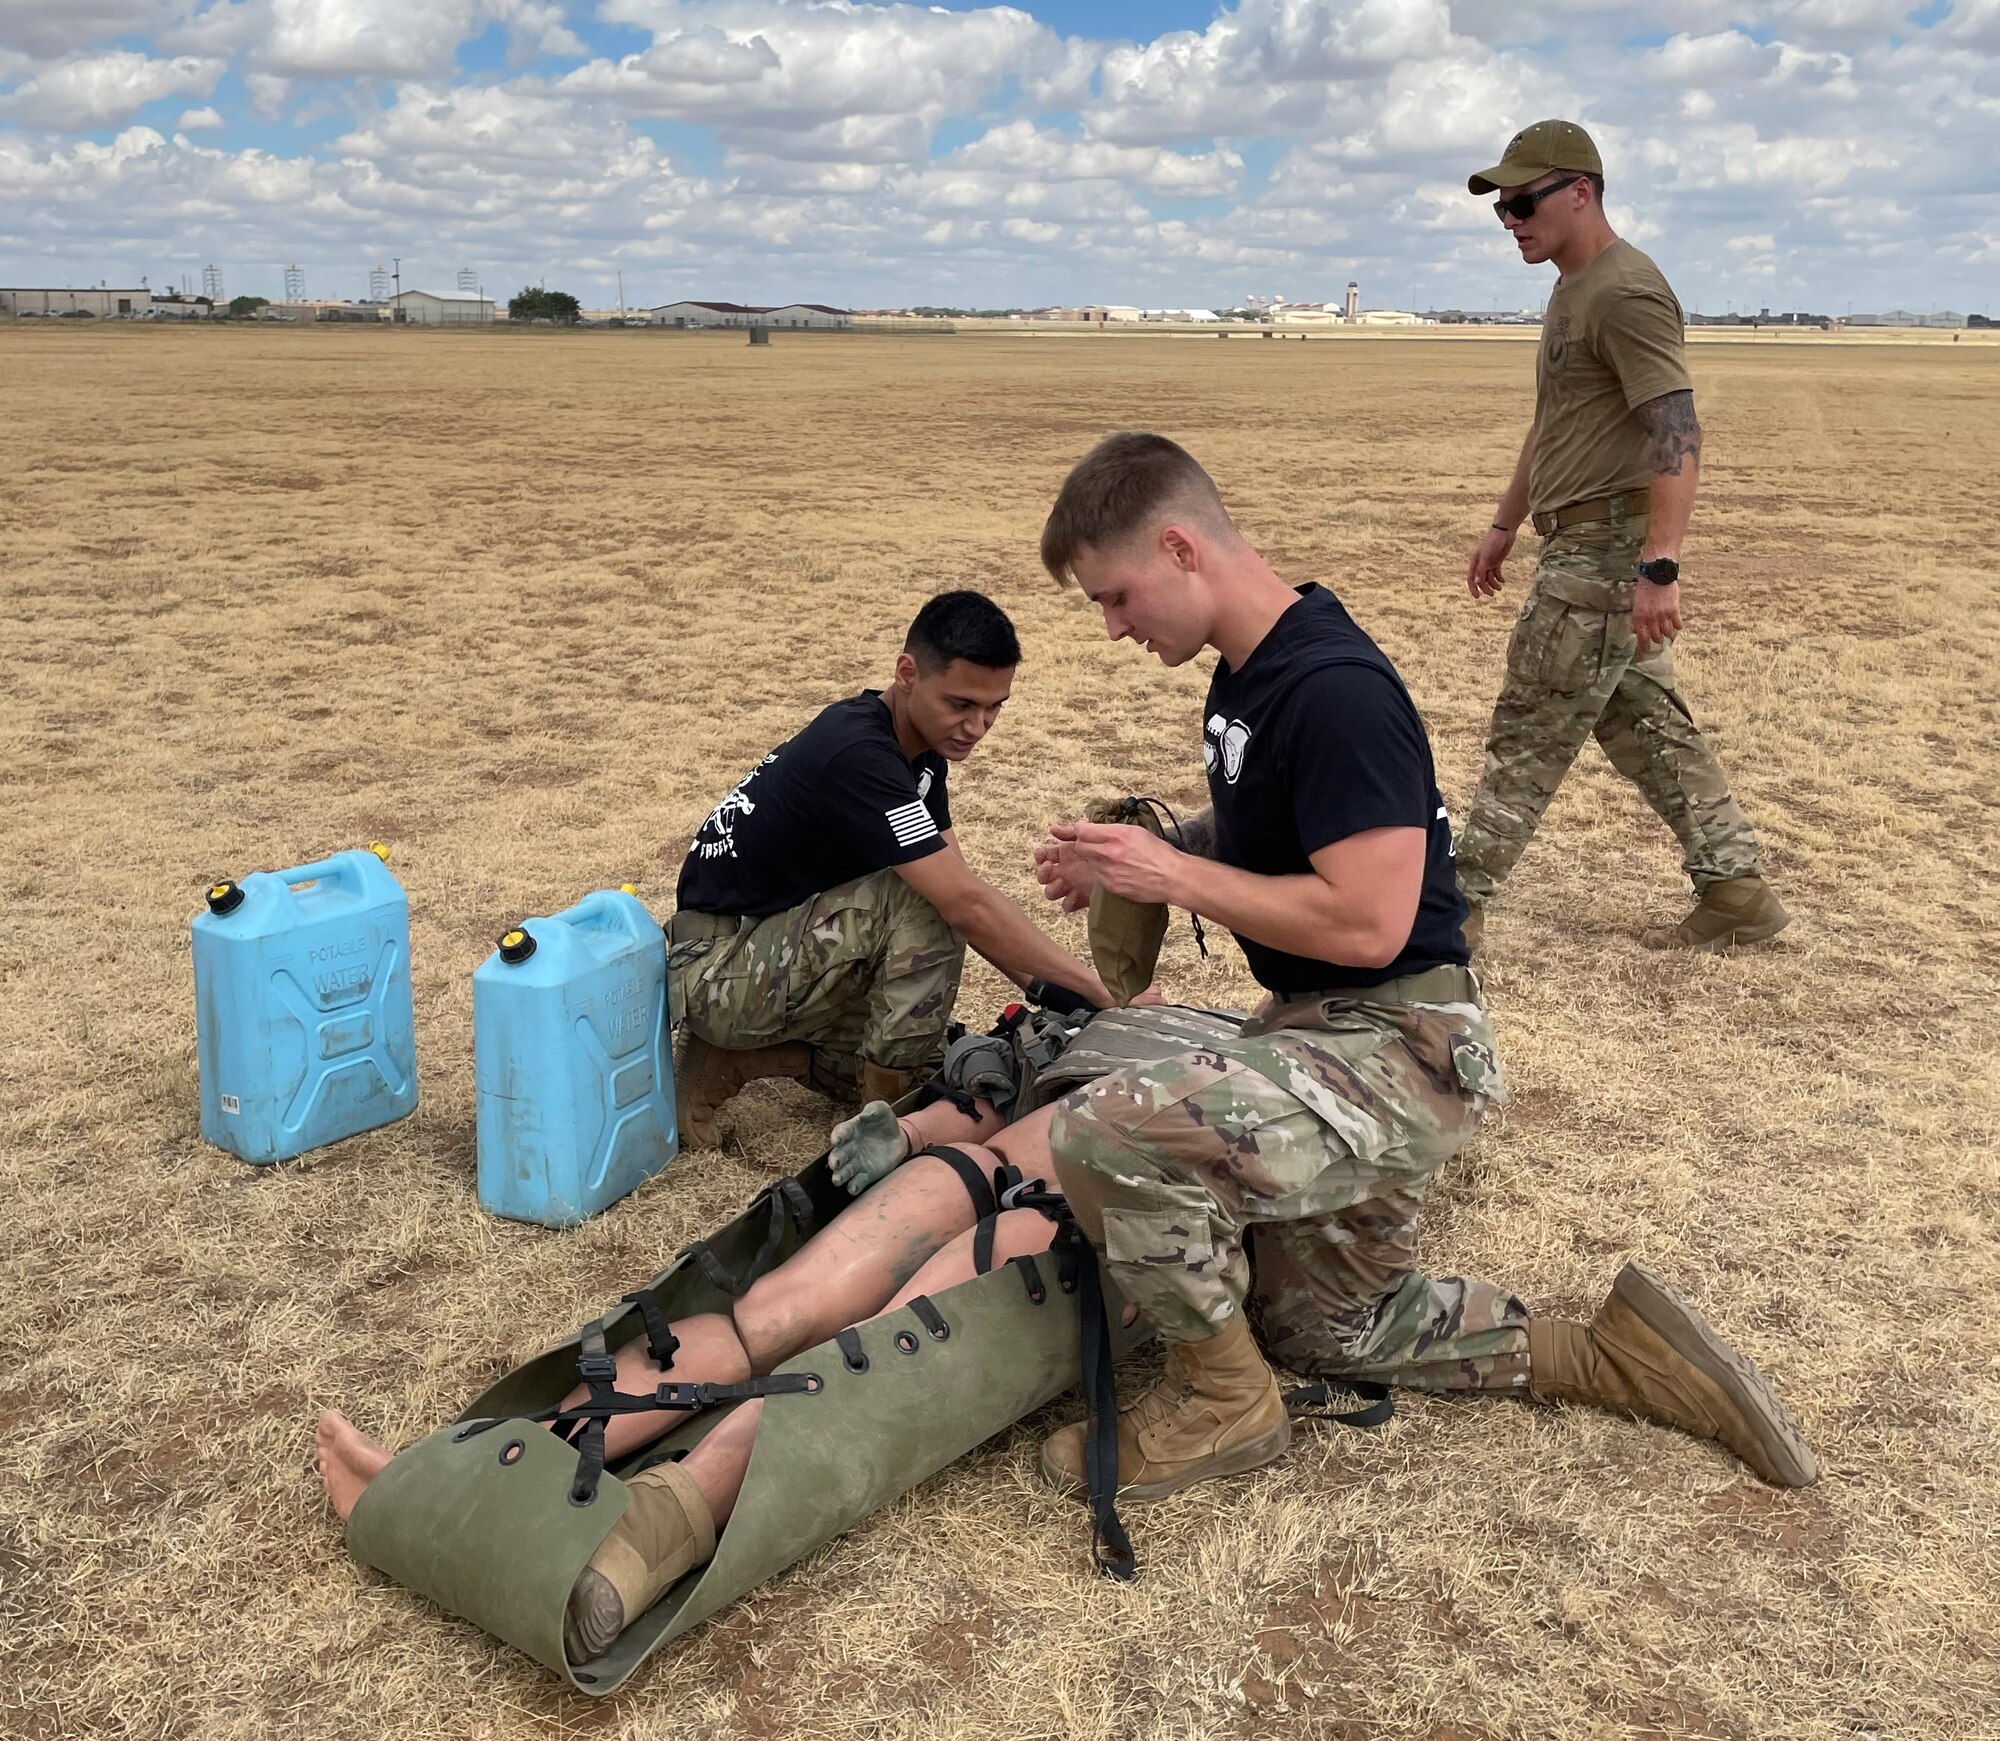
1282 1172
824 907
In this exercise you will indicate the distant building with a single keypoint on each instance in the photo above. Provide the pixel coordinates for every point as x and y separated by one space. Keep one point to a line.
322 308
1306 314
1907 317
442 308
101 301
1390 317
1352 308
807 315
801 315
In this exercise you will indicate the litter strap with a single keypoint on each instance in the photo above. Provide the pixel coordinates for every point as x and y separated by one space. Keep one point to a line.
970 1174
1110 1547
661 1342
931 1318
581 1424
789 1202
1315 1402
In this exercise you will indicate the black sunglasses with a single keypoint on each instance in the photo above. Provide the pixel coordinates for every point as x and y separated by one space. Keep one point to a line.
1521 206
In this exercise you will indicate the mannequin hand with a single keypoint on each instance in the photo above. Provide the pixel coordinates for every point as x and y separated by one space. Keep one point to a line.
867 1148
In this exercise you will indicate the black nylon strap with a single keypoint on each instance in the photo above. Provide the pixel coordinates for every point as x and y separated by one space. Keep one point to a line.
1110 1547
1031 1277
787 1198
852 1355
931 1318
977 1186
1313 1402
599 1373
982 1244
661 1342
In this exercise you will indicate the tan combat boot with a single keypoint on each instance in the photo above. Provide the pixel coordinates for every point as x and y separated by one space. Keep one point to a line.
1474 927
1216 1410
706 1079
878 1083
1649 1353
667 1531
1736 910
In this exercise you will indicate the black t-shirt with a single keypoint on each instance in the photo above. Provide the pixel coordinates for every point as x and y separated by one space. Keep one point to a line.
838 802
1314 739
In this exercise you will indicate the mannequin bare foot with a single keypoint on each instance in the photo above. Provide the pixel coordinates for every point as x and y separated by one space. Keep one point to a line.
348 1460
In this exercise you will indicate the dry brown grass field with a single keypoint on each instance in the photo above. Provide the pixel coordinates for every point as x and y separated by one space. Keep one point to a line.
525 605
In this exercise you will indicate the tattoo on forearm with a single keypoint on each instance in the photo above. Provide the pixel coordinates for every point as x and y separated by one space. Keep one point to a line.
1197 835
1676 436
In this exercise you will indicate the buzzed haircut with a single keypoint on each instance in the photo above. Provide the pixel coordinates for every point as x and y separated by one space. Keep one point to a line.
962 625
1116 488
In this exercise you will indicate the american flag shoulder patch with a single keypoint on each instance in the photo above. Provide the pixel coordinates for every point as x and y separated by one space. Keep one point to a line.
911 823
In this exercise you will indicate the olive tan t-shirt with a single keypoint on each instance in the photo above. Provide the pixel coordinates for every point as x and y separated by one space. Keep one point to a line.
1612 339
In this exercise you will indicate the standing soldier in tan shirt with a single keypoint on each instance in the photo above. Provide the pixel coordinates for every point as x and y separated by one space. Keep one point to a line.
1607 473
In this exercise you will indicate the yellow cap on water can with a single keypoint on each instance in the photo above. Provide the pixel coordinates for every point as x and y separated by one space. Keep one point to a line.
380 849
628 888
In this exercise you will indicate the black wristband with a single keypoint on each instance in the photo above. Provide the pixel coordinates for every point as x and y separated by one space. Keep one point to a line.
1500 528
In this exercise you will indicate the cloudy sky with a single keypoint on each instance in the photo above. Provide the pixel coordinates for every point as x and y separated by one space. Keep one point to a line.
1792 153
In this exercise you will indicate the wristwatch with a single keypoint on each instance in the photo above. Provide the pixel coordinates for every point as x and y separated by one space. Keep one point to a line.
1661 571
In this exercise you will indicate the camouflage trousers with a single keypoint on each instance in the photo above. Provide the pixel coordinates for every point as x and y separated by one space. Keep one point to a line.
1282 1170
1573 670
869 970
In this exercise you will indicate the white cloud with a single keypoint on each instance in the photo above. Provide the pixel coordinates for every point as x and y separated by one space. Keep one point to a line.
398 38
777 70
1020 148
48 28
1323 139
96 90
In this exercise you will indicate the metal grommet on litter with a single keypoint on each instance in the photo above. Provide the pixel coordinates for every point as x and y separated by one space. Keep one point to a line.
510 1453
905 1342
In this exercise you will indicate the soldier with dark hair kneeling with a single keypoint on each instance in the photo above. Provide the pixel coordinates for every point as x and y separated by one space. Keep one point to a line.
824 907
1304 1147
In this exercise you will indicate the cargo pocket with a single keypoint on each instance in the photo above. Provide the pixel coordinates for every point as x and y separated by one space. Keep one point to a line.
1477 1070
1557 648
1164 1239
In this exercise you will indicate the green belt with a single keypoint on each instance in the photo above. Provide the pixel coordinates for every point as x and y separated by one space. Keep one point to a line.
690 927
1445 984
1634 504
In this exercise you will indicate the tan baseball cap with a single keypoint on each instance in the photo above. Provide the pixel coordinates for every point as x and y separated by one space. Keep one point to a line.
1534 151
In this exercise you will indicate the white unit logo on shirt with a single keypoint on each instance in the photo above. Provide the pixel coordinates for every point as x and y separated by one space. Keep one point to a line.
1226 739
721 823
924 784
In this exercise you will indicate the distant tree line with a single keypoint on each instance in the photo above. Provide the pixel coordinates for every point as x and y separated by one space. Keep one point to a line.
535 303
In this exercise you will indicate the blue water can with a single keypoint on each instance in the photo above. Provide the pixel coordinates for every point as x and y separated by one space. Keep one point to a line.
570 1049
303 1027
